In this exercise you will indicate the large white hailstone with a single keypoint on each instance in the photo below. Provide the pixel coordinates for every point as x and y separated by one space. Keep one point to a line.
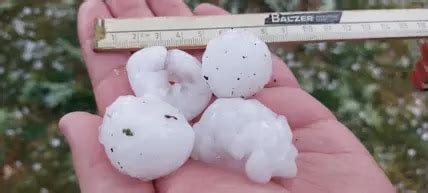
145 137
247 136
174 76
236 64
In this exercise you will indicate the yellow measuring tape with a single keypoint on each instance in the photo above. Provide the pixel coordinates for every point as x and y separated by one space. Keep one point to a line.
301 27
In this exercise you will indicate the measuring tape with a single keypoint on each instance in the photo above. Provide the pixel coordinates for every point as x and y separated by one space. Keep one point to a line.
299 27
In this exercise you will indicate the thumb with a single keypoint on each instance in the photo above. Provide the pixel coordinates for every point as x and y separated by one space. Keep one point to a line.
93 169
81 133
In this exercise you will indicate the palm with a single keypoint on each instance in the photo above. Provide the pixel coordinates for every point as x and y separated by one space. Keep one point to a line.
330 158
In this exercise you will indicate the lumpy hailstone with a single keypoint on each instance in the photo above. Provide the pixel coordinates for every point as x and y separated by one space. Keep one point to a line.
174 76
236 64
245 135
145 137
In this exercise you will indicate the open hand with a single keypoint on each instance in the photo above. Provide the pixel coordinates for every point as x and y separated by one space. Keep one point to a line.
331 159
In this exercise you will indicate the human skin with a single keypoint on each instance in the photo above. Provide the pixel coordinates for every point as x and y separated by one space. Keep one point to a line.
331 159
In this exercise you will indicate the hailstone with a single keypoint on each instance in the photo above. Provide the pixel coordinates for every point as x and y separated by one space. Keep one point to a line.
236 64
145 137
174 76
246 136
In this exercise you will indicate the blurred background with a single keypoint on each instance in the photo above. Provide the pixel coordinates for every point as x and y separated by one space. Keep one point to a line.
42 77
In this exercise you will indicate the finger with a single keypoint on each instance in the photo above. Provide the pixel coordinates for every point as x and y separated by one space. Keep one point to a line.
209 9
129 8
92 166
106 70
300 108
169 8
281 76
196 177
